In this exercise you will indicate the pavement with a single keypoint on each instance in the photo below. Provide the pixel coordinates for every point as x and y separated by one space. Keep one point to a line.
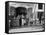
26 29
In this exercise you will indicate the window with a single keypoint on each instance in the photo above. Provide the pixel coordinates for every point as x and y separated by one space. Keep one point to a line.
40 6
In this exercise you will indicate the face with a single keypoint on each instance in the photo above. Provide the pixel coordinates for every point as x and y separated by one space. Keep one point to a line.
22 16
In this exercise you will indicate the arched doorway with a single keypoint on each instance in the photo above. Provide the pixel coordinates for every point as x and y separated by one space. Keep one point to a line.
21 11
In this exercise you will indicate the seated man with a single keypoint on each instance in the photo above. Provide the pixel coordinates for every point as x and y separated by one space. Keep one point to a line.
20 11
